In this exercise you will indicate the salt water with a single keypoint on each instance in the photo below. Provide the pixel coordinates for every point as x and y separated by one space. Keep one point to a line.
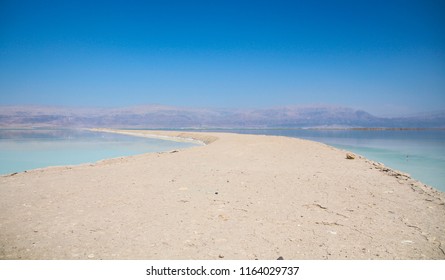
421 153
25 149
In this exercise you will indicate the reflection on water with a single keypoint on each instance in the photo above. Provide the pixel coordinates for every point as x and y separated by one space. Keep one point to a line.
419 153
25 149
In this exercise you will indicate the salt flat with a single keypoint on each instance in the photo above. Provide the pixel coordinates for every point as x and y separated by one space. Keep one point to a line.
238 197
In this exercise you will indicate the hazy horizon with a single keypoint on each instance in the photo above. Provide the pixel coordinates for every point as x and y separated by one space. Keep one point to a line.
383 57
216 108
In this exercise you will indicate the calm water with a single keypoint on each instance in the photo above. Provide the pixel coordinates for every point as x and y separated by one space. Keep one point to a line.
420 153
22 150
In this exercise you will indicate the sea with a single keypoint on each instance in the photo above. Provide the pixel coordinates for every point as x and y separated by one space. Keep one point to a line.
26 149
420 153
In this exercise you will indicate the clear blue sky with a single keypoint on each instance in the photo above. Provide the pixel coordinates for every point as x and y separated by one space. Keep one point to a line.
387 57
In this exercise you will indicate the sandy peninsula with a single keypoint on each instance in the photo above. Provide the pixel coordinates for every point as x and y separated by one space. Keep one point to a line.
238 197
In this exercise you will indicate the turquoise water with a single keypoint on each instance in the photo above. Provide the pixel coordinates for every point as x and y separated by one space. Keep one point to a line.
421 153
22 150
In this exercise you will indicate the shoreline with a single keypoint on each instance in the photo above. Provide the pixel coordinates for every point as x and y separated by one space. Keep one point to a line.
157 134
187 139
147 134
239 197
376 163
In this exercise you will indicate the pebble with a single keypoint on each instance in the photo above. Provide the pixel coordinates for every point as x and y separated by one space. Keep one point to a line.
350 156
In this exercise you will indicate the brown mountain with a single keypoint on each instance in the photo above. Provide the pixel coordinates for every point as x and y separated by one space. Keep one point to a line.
159 116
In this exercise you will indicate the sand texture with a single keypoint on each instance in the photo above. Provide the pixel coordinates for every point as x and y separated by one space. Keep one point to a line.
239 197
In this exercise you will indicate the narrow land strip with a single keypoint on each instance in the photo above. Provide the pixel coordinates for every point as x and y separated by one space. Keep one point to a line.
238 197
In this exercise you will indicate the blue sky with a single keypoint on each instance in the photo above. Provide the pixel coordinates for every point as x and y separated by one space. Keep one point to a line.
387 57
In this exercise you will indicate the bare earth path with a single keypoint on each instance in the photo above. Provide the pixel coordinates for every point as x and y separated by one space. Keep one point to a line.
239 197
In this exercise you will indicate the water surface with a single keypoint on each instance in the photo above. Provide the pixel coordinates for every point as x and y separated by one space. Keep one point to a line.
25 149
421 153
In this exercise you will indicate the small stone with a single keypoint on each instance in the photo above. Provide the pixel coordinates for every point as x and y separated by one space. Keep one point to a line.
350 156
223 217
90 256
220 256
402 174
280 258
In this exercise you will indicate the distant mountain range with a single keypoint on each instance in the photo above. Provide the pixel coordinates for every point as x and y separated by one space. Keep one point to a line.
158 116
